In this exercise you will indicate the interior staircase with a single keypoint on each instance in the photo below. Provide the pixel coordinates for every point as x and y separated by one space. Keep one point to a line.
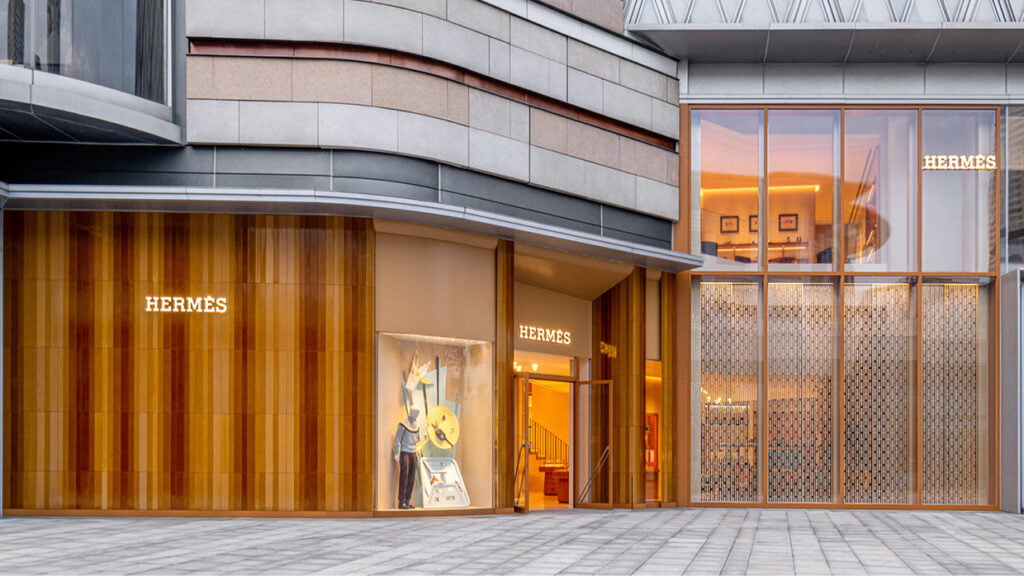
552 456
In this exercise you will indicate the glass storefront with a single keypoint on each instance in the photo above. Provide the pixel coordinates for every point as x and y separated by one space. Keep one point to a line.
868 382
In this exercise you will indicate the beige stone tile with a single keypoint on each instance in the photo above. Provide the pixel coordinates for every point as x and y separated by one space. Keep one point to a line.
199 80
410 91
252 79
458 103
643 159
672 91
671 169
549 131
605 13
325 81
593 144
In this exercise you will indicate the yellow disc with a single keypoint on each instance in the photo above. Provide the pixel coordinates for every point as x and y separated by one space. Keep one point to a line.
442 427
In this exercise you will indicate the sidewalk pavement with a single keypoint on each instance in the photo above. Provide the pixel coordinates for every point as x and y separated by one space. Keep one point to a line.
669 541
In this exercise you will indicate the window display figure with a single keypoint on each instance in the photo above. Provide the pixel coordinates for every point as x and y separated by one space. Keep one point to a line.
407 446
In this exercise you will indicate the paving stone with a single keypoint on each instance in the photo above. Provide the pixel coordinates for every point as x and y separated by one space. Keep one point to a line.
669 541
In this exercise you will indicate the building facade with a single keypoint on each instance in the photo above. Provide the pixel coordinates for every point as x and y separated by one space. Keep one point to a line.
344 257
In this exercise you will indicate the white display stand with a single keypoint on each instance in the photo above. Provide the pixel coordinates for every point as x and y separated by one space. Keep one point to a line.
441 484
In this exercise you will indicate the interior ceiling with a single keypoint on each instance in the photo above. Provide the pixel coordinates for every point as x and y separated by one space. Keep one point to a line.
571 274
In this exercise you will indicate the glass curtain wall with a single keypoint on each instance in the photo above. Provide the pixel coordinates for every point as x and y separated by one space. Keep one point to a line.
846 360
119 44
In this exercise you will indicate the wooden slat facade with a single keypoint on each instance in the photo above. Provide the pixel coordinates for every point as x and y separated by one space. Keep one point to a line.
265 407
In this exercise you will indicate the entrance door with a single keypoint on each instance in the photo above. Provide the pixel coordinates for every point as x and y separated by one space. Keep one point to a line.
592 446
521 480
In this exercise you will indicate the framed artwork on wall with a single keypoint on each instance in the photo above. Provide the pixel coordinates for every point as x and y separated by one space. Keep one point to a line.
789 222
753 222
729 225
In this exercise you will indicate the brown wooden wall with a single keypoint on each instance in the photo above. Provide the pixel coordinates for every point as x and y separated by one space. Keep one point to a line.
268 406
619 320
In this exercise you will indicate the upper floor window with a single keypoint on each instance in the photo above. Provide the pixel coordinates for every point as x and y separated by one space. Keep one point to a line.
120 44
854 190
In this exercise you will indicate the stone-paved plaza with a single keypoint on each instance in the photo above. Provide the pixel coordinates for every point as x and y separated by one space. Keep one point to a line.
671 541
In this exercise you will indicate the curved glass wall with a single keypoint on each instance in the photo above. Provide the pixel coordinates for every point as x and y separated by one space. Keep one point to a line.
119 44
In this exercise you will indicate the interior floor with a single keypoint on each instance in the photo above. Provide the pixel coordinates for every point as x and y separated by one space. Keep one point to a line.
538 499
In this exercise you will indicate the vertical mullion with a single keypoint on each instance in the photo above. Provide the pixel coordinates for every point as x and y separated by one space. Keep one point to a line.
839 419
919 306
763 259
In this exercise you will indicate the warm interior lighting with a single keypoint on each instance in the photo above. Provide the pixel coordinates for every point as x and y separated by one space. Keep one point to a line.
535 366
796 188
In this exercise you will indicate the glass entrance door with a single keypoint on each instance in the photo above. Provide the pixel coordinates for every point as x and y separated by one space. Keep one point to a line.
521 481
592 446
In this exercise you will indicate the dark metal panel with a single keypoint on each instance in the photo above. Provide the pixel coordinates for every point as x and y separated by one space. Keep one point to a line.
513 194
513 211
282 181
376 166
27 126
385 188
56 157
231 160
637 225
637 238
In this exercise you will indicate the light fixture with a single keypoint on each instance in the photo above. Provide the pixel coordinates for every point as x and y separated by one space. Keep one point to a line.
535 366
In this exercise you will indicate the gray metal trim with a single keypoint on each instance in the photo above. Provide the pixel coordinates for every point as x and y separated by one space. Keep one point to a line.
77 110
1010 405
2 370
309 201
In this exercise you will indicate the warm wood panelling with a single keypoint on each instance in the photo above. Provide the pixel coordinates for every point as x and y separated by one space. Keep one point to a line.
619 316
504 352
265 407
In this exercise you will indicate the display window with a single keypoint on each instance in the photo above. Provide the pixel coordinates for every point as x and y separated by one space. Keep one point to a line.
435 448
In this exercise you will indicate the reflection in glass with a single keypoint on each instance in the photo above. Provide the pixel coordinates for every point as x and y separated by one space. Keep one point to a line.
114 43
801 375
653 382
880 190
727 172
959 203
593 457
878 382
802 166
959 404
1013 252
726 403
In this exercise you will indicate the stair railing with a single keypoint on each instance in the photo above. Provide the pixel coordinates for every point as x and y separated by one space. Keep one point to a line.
546 444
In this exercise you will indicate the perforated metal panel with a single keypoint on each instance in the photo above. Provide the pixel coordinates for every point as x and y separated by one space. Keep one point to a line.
878 394
953 410
801 377
729 367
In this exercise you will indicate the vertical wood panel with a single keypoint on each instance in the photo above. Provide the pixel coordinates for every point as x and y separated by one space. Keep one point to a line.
504 352
619 317
265 407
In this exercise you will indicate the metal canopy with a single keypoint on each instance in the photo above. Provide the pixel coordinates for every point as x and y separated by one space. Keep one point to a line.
838 43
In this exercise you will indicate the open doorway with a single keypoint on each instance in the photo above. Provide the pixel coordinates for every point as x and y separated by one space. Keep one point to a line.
545 414
563 430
